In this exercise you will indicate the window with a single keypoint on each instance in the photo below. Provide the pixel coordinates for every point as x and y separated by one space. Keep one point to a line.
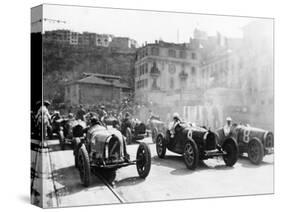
193 56
146 68
155 51
182 54
193 71
172 53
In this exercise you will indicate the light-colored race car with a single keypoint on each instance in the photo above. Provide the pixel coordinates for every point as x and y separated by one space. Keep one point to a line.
105 148
254 141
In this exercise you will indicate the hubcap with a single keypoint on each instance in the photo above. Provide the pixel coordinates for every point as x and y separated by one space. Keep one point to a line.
189 154
159 145
254 151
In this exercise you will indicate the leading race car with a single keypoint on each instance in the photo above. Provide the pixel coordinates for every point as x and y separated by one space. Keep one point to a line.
254 141
196 143
105 148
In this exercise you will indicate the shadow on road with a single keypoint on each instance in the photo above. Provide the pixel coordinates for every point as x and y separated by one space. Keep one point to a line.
176 162
68 181
128 181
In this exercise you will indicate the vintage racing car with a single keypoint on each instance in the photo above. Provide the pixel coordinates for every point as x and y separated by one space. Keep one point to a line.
105 148
70 129
254 141
196 143
155 125
133 129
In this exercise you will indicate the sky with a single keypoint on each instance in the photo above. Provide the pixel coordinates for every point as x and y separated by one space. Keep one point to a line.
143 26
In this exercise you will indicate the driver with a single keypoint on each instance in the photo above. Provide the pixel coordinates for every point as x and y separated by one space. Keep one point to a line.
227 127
174 123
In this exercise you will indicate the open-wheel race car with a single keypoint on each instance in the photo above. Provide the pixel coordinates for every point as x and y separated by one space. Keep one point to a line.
155 125
196 143
111 121
105 148
133 129
254 141
69 129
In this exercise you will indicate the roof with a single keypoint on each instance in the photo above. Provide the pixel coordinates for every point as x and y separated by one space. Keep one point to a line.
99 81
93 80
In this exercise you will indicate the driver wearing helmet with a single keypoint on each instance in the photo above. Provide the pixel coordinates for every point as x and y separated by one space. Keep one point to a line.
227 127
174 123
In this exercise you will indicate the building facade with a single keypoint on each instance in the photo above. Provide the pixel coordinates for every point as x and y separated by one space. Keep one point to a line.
166 76
96 89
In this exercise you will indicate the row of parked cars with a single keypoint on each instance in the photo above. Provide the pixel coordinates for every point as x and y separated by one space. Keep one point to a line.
106 146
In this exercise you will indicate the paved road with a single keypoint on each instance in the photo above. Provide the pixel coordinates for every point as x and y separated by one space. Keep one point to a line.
168 179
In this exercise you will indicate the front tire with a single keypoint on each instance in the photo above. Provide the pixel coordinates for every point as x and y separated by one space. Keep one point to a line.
161 146
76 142
143 160
255 151
191 155
231 149
84 166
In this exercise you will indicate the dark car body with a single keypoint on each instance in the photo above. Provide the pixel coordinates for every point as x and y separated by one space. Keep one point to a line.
70 129
105 148
196 143
254 141
133 129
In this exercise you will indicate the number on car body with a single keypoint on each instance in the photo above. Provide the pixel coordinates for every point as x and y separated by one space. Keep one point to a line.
246 136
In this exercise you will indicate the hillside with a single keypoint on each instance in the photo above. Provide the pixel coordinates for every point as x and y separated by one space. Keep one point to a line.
62 62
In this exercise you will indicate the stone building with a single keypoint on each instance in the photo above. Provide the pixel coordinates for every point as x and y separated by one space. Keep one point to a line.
166 77
62 36
96 89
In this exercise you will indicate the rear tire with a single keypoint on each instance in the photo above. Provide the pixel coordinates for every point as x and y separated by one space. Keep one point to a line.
232 151
161 146
255 151
191 155
143 160
84 166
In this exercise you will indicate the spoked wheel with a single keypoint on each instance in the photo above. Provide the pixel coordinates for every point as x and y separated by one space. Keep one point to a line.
160 146
84 166
255 151
191 155
128 135
143 160
61 139
232 153
154 134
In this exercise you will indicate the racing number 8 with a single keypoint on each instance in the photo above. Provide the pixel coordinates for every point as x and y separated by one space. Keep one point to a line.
189 134
246 136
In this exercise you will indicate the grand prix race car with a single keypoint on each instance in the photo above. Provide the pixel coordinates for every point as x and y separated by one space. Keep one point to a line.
105 148
254 141
133 129
155 125
111 121
69 130
196 143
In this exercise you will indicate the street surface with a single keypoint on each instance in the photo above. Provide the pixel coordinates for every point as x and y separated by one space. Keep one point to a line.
169 179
